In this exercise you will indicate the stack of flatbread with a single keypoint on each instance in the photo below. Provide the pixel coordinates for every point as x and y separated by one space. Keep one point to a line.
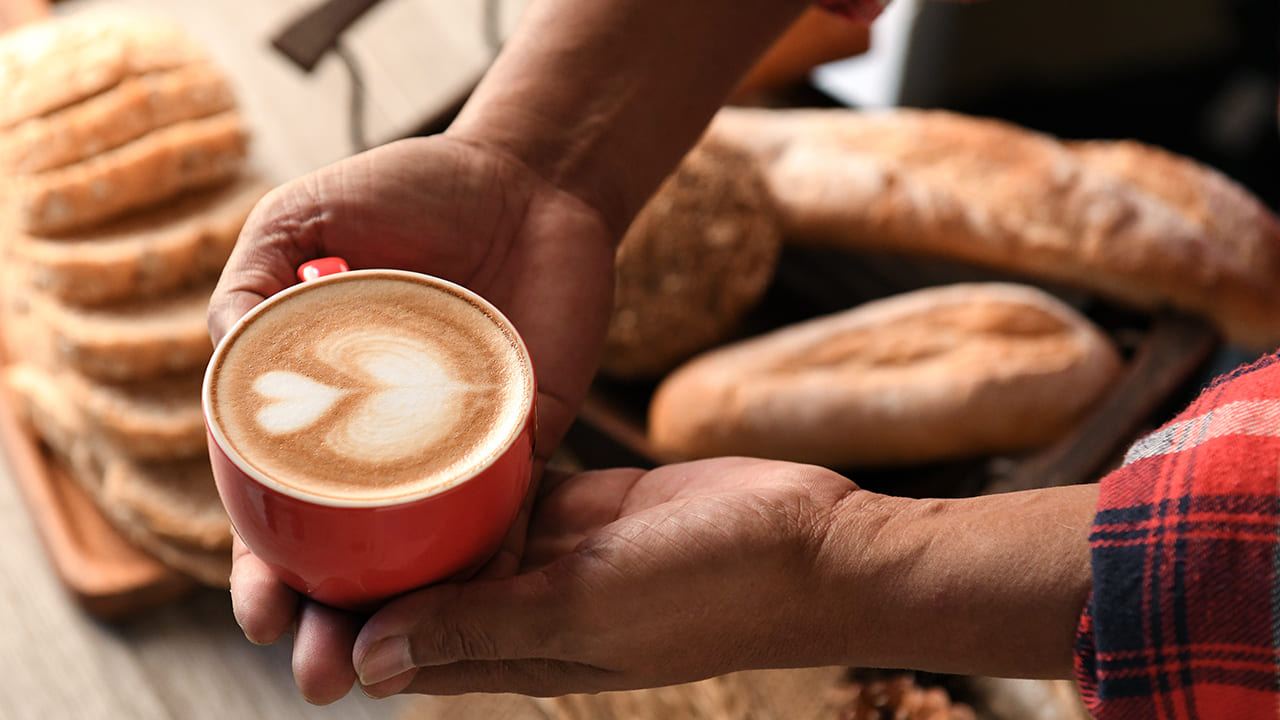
125 184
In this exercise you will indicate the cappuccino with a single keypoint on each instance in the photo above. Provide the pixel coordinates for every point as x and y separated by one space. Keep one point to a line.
370 387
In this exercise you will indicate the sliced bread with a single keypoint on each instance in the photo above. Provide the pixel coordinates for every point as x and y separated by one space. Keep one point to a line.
146 253
126 112
134 340
48 65
152 169
168 508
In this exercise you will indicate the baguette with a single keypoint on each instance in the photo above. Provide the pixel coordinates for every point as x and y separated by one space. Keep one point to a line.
934 374
1133 223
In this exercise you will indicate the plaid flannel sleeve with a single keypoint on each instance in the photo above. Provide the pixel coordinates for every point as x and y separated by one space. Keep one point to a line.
1182 621
861 10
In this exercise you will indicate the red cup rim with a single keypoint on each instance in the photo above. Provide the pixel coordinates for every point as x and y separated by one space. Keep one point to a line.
516 430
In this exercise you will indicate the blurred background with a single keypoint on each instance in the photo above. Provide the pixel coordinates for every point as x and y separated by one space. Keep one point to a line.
318 80
1198 77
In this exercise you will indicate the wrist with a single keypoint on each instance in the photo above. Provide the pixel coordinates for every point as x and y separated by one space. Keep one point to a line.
990 585
603 99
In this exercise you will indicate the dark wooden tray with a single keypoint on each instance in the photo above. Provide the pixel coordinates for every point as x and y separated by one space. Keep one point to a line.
1165 355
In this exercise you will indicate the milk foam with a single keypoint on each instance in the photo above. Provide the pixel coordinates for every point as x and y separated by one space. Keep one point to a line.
404 400
370 388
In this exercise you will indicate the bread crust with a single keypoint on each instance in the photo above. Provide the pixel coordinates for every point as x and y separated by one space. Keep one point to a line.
126 112
1130 222
152 169
941 373
53 63
699 255
149 253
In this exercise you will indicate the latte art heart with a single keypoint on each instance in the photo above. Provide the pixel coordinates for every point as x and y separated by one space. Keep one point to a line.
404 401
297 401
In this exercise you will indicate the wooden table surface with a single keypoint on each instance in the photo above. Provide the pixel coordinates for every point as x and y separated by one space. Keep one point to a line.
186 661
189 661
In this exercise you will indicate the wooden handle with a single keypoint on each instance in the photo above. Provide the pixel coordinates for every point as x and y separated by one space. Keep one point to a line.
309 37
816 37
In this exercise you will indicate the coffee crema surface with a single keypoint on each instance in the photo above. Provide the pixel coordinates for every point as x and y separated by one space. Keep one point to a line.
369 387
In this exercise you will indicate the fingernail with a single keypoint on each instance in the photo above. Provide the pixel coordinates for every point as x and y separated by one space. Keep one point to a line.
387 688
387 658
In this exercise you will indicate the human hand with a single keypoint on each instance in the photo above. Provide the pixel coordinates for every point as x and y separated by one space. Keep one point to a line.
631 579
637 579
456 210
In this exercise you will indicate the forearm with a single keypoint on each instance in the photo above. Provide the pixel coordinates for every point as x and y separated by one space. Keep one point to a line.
604 96
989 585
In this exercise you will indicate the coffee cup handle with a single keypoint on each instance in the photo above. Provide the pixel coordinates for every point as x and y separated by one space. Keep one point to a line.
318 268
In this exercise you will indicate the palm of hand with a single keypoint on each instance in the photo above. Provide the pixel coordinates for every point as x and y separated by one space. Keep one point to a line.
653 565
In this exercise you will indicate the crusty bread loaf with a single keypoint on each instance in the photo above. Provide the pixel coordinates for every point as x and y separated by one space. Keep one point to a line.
699 255
149 170
1131 222
940 373
48 65
135 107
145 254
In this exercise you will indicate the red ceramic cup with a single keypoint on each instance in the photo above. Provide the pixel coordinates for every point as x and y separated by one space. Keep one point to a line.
354 554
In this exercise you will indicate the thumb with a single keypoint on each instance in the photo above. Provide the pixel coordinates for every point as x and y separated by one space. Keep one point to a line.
506 619
283 231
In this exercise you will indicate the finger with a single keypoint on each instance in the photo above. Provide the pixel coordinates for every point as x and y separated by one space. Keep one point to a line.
506 562
283 231
451 623
536 677
228 307
322 653
264 607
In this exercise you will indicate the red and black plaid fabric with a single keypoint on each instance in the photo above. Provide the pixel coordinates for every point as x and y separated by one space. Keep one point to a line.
1182 621
861 10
